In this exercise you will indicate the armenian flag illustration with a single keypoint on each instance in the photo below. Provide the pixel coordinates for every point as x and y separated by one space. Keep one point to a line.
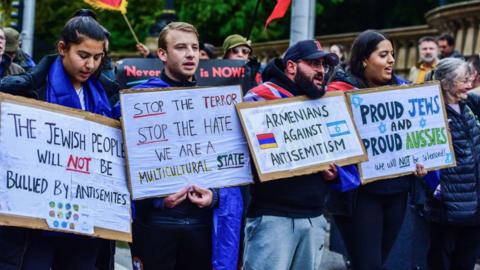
267 140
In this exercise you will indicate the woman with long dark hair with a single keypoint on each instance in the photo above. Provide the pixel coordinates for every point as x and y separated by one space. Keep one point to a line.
369 218
69 79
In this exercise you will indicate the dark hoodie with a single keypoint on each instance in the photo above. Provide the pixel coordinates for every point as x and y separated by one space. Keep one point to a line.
299 196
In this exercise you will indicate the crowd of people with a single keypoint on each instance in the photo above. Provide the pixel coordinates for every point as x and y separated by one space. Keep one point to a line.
274 224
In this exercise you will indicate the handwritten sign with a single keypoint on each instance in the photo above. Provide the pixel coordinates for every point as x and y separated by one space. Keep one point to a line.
133 71
176 138
62 169
400 127
297 136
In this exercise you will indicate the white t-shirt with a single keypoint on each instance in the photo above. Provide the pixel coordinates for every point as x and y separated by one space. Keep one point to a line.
81 96
456 107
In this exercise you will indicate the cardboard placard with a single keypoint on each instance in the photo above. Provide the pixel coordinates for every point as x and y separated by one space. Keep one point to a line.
296 136
401 126
62 169
179 137
216 72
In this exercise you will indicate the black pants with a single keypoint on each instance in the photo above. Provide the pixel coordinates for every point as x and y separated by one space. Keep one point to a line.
70 252
173 244
453 247
370 232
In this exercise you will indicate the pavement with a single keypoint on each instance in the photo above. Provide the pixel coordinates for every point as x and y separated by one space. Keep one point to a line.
330 260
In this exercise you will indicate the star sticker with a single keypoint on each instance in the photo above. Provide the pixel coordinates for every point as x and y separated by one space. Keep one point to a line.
356 100
382 128
423 122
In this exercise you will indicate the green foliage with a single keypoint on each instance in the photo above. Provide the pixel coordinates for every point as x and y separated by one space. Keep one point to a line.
216 20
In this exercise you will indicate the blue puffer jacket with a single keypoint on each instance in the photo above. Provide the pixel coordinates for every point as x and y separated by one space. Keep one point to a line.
459 198
227 217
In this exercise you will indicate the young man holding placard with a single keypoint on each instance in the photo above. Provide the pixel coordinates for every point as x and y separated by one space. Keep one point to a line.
175 232
284 224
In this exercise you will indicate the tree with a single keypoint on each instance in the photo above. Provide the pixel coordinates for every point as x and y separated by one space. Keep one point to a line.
216 20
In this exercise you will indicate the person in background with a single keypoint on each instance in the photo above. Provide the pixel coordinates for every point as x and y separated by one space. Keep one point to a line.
14 51
428 54
453 206
67 79
7 67
474 62
340 51
206 51
370 217
237 47
446 44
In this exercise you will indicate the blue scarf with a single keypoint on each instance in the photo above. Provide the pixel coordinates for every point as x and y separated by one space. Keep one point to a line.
60 91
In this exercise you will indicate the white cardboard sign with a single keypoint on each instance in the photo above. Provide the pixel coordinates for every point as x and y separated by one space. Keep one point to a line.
300 136
400 127
63 169
176 138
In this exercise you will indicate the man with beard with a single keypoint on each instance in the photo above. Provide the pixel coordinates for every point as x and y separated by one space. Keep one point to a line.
284 220
428 53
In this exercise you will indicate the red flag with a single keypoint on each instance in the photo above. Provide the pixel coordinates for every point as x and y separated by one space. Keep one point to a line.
117 5
279 11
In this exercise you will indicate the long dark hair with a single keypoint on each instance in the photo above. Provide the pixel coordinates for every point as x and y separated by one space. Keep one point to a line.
363 46
81 27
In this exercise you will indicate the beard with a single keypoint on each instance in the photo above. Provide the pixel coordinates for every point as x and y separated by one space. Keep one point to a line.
306 85
427 59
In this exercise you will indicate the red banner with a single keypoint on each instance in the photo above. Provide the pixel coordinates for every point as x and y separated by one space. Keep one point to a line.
279 11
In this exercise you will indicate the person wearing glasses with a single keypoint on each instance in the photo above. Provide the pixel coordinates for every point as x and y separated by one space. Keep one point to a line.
236 47
453 206
284 228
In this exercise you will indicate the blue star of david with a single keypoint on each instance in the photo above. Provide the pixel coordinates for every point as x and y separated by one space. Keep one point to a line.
423 122
382 128
356 100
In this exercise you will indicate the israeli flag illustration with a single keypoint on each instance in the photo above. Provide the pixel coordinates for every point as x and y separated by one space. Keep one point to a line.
338 128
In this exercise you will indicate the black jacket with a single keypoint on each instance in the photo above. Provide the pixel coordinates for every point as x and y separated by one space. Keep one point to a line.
299 196
459 198
33 83
15 241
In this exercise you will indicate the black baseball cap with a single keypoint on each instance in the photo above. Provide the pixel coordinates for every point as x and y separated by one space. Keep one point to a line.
309 50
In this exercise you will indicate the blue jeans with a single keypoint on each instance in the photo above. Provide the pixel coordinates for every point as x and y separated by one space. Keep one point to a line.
283 243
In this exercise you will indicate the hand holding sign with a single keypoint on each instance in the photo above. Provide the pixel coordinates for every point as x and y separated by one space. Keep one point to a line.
331 173
420 170
176 199
200 196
